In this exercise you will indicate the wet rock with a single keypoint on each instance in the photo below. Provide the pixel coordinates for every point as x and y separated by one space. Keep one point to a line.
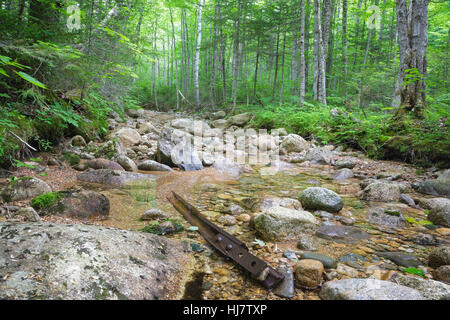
29 214
128 137
290 255
439 257
343 174
425 240
348 164
231 168
151 165
400 259
383 191
234 209
278 223
443 273
126 163
438 187
83 263
153 214
78 141
116 178
407 200
352 257
293 143
344 234
385 217
289 203
104 164
430 289
239 120
346 270
227 220
286 288
367 289
319 156
308 273
327 262
316 198
307 243
24 188
74 203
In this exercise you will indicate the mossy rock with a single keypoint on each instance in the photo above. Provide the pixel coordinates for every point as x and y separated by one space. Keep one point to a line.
72 159
46 200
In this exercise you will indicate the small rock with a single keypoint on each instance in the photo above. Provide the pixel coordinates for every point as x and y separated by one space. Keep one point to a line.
127 163
307 243
343 174
151 165
407 200
425 240
244 217
348 164
286 288
293 143
78 141
290 255
153 214
401 259
316 198
347 271
327 262
308 273
29 214
104 164
227 220
321 156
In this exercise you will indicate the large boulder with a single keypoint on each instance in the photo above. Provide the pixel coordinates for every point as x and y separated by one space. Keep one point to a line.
128 137
239 120
367 289
387 217
74 203
150 165
430 289
279 223
293 143
316 198
438 187
319 156
104 164
81 262
383 191
439 210
24 188
116 178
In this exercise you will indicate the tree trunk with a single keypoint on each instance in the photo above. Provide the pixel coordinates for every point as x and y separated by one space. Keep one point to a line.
214 60
197 55
237 26
317 40
302 53
174 47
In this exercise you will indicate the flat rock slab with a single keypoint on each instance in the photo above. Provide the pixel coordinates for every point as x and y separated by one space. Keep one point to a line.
51 261
340 233
114 177
328 262
367 289
401 259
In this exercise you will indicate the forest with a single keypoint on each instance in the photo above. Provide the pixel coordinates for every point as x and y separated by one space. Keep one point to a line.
372 75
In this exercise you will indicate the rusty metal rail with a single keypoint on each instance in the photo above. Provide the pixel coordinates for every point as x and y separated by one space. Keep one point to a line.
227 244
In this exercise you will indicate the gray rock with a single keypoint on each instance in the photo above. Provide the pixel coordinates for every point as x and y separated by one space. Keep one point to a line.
87 263
281 132
344 234
286 288
29 214
135 113
438 187
367 289
400 259
440 215
104 164
343 174
407 200
430 289
385 217
316 198
351 257
383 191
239 120
348 164
328 262
78 141
153 214
307 243
270 202
128 137
279 223
439 257
443 274
116 178
218 115
290 255
24 188
151 165
293 143
425 239
319 156
220 124
126 163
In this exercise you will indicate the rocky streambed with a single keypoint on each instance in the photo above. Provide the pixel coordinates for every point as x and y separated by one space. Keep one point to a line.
338 225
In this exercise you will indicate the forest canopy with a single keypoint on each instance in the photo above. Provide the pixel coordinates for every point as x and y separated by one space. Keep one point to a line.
370 74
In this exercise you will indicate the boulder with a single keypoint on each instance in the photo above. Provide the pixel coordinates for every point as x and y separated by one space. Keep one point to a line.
110 150
343 174
308 273
24 188
439 210
278 223
293 143
29 214
443 273
439 256
218 115
135 113
430 289
383 191
386 217
128 137
438 187
239 120
116 178
126 163
151 165
367 289
104 164
289 203
348 164
82 262
78 141
316 198
219 124
319 155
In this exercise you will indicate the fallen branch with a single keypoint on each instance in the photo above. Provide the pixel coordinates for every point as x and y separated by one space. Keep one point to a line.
21 140
184 98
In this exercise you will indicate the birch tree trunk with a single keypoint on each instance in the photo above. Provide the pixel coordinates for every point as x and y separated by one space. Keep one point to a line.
317 39
197 54
302 53
344 37
236 51
322 94
175 58
214 59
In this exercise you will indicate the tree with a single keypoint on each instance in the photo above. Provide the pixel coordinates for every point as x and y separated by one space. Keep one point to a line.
197 54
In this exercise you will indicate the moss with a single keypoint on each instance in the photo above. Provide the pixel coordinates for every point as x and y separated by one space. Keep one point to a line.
153 227
46 200
72 158
393 213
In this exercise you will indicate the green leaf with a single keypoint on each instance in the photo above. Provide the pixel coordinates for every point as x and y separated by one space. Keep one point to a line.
3 72
30 79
